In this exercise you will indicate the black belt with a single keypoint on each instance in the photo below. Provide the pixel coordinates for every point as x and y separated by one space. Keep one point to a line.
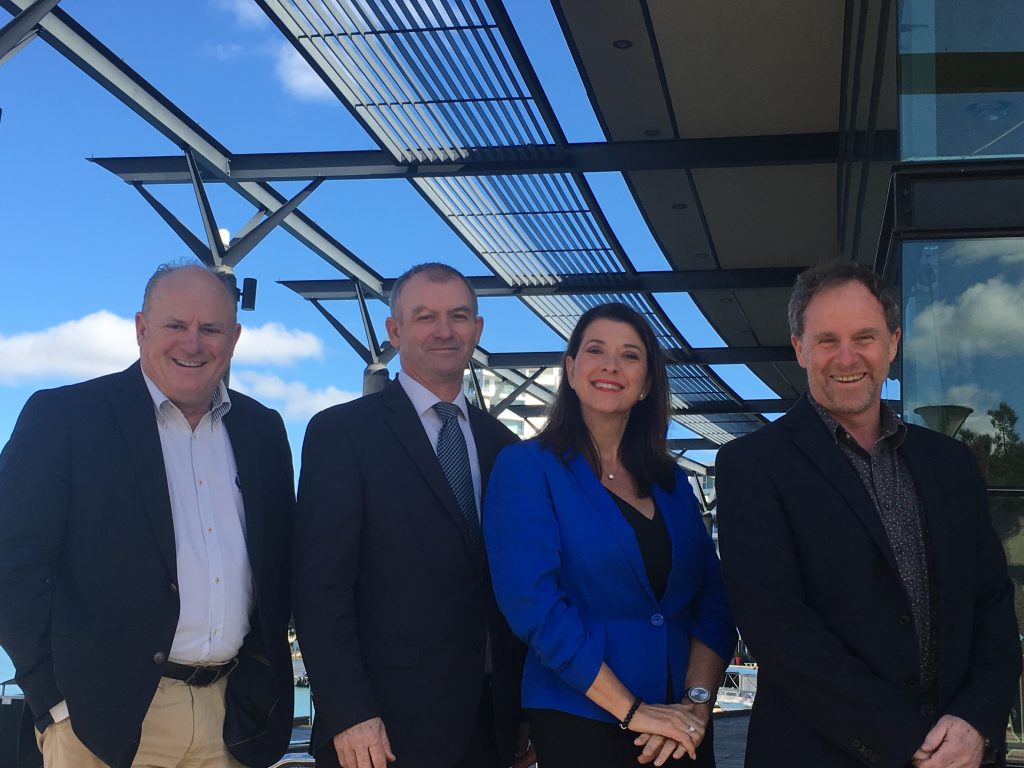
199 676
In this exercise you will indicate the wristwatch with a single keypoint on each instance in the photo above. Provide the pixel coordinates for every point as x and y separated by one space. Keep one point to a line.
698 695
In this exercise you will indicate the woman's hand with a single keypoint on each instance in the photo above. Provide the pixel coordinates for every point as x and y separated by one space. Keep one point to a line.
668 730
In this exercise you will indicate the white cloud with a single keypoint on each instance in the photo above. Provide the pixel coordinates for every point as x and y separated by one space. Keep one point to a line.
1006 251
983 320
295 400
297 76
273 344
102 342
78 349
224 51
246 12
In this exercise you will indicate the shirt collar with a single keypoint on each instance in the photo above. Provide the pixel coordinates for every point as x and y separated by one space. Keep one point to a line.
891 427
423 399
220 403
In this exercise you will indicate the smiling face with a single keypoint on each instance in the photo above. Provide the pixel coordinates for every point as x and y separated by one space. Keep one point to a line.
187 334
609 372
435 329
846 349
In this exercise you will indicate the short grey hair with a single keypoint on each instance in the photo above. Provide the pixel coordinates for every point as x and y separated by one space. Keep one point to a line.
171 267
435 272
824 276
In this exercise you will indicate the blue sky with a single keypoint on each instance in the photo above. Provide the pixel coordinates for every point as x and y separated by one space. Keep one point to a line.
79 244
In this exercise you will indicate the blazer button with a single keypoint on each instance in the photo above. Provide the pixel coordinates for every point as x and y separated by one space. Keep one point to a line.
657 619
855 743
174 588
904 620
159 657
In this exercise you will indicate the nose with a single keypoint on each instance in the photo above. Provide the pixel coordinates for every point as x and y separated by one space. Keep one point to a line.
190 341
846 354
443 328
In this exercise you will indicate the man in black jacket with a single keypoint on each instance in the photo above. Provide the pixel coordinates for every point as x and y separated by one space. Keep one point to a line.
145 520
861 563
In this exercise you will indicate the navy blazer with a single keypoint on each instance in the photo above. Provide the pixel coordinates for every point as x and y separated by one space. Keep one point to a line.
569 576
88 577
819 600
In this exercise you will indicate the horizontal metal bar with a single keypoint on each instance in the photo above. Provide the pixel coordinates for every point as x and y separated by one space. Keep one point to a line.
738 151
585 284
697 356
695 409
692 444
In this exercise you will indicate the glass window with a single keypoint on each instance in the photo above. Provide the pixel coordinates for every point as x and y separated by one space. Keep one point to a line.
963 347
961 78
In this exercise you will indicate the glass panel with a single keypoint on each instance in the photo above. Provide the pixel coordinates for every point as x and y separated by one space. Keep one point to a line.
964 345
961 78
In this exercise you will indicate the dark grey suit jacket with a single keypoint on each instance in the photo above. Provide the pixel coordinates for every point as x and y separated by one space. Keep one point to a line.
391 606
88 593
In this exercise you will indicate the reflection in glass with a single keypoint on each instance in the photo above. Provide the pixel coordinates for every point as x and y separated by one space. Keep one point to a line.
961 79
964 343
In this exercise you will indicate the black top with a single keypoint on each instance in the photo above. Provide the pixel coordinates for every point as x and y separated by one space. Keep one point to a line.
655 545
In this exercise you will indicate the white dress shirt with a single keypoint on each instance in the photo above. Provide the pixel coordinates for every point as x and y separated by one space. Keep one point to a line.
423 400
215 584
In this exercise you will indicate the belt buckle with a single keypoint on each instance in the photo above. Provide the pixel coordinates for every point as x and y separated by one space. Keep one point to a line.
219 671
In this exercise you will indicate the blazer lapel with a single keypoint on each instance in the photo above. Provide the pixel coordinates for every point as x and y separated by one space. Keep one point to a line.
134 412
402 418
244 444
612 516
486 449
811 436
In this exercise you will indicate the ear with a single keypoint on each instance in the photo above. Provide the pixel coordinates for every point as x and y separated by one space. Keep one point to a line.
140 327
238 334
479 330
895 343
391 325
798 347
570 369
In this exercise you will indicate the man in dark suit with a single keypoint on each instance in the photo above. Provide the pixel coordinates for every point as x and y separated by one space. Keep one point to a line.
860 561
145 522
407 655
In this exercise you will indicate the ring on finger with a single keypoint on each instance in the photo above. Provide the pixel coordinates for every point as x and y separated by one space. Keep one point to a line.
690 729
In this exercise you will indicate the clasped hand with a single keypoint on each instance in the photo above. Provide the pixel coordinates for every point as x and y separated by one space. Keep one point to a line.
669 731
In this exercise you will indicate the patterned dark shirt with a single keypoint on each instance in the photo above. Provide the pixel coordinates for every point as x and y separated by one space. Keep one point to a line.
890 485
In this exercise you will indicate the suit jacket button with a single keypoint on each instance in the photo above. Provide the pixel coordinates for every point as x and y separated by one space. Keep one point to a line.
174 588
657 619
159 657
904 620
855 743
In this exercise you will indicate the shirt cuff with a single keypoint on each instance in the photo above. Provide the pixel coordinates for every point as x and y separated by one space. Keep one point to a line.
59 711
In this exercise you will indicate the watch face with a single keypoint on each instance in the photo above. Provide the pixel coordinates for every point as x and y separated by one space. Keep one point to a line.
698 695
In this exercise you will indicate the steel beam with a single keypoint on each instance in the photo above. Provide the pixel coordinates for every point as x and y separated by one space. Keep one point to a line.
695 356
586 284
678 154
86 52
695 409
21 26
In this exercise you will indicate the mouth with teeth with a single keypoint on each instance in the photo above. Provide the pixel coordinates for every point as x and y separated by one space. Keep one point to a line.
849 378
189 363
607 386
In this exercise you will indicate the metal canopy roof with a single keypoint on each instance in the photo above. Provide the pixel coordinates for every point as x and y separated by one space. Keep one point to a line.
750 139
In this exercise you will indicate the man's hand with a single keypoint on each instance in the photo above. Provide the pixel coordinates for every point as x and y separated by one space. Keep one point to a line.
525 755
951 743
364 745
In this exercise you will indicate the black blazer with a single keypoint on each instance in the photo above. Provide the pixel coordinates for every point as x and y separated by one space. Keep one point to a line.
88 593
391 606
814 587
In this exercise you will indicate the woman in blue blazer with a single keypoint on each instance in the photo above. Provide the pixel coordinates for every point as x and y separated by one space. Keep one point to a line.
601 563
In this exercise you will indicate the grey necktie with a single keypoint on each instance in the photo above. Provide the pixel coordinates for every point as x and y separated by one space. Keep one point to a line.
454 458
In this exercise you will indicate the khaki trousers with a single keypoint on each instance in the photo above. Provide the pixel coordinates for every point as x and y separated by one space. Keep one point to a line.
182 729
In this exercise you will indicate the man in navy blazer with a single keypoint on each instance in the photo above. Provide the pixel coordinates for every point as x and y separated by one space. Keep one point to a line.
861 563
407 654
104 588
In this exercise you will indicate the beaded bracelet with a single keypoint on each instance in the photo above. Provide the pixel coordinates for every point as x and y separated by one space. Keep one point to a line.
629 715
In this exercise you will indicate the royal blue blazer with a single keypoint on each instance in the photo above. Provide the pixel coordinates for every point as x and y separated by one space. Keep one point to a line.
570 579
